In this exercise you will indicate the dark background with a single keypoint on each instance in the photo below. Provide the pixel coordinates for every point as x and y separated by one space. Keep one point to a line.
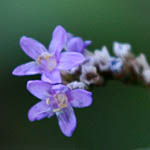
119 117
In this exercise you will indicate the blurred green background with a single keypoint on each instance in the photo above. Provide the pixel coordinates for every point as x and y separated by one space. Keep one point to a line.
119 117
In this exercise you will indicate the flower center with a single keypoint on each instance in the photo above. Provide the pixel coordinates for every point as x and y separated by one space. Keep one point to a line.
61 100
47 62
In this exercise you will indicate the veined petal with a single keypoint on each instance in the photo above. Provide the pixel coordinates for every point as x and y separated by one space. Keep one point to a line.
52 77
60 88
32 47
69 60
38 88
76 44
39 111
58 41
45 78
80 98
29 68
67 121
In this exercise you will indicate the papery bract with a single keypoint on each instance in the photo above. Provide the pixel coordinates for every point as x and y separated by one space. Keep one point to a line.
121 49
116 65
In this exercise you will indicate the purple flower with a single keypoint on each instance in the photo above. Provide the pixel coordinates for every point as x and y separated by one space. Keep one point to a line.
48 62
57 99
76 44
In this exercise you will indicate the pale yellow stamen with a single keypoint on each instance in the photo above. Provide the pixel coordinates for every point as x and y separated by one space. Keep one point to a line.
47 57
50 61
44 56
47 101
61 99
57 110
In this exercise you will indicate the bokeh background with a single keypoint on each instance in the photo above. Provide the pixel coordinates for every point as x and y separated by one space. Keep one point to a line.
119 118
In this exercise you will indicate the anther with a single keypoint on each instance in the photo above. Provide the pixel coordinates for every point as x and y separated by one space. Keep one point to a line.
47 101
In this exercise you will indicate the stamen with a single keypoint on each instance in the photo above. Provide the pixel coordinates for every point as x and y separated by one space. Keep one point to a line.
47 61
61 100
57 110
48 101
63 105
47 57
43 56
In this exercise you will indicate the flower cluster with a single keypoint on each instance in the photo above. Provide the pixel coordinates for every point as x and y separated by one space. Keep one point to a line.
67 70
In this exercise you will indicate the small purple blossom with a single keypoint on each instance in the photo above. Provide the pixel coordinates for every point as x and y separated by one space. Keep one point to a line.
76 44
48 62
59 100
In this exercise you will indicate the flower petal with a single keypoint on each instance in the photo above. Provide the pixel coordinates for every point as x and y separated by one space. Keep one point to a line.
67 121
39 111
87 43
38 88
45 78
69 36
60 88
29 68
52 77
76 44
32 47
58 41
69 60
80 98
